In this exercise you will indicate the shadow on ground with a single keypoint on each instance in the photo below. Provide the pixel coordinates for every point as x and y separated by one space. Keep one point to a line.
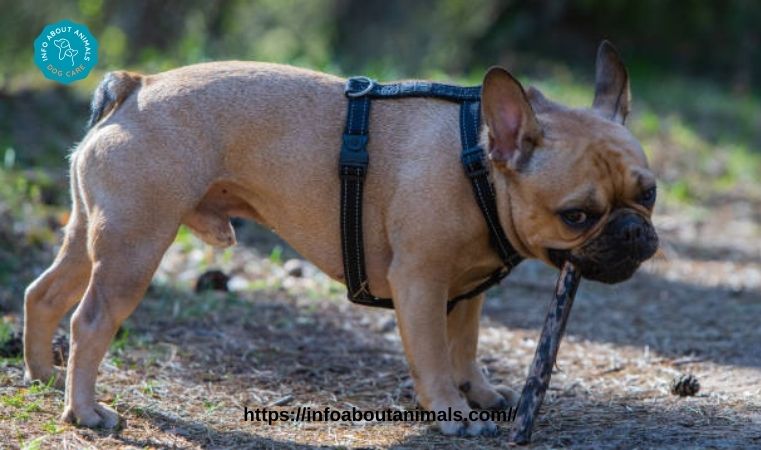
674 319
238 351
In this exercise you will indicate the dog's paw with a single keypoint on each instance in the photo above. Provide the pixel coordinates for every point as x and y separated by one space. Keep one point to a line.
56 378
468 428
509 398
96 416
494 398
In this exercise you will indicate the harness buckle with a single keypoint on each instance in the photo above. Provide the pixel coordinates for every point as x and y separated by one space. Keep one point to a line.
473 162
354 157
348 87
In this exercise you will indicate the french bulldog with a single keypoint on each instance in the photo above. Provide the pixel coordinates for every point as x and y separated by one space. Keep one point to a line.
201 144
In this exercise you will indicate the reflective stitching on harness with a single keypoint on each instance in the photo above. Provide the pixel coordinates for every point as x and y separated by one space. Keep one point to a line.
343 226
475 126
357 231
463 128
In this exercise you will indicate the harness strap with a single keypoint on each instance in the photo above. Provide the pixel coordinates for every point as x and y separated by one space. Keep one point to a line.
353 165
475 167
354 160
364 86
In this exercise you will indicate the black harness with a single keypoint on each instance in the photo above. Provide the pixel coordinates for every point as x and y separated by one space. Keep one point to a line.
353 164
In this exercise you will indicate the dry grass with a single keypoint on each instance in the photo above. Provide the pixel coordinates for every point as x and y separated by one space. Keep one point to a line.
188 364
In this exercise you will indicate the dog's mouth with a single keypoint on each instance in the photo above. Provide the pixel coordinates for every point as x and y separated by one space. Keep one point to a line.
614 255
616 271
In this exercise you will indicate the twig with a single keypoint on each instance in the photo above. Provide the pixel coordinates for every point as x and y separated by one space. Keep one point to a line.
546 353
687 360
282 401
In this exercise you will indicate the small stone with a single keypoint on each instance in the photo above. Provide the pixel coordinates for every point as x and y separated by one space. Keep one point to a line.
294 267
238 283
685 385
212 280
388 326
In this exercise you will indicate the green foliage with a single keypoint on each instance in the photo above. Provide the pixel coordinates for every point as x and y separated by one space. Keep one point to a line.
276 255
122 340
14 401
20 403
9 160
149 388
51 427
34 444
6 330
210 406
185 238
713 38
39 388
31 211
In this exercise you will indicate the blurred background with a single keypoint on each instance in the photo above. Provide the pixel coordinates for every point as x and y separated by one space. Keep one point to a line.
695 68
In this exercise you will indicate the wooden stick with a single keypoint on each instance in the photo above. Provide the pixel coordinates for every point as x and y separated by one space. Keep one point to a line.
546 351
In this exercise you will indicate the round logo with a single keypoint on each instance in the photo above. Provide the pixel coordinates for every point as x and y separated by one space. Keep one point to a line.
65 51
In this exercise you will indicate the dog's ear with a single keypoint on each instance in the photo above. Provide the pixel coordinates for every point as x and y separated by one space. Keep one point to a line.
612 96
513 128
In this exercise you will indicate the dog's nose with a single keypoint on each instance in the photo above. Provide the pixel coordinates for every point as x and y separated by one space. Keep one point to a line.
634 232
628 228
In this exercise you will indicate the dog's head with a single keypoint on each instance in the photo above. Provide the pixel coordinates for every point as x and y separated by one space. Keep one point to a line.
573 184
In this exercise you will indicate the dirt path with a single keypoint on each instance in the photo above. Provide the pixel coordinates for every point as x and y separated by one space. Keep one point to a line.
188 364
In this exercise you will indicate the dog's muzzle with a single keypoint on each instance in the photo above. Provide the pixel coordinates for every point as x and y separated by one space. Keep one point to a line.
616 253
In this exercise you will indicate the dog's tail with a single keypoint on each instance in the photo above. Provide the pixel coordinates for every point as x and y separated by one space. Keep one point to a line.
111 92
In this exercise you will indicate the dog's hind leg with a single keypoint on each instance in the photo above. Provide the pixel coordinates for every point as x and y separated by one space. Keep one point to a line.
462 334
125 255
134 212
53 293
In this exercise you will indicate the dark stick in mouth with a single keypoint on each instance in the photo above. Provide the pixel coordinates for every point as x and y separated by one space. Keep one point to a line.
546 351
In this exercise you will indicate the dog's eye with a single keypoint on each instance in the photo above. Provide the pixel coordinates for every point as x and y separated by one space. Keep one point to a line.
648 197
578 218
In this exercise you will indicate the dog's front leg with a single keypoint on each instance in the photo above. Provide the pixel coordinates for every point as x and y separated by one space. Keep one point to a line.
462 329
421 313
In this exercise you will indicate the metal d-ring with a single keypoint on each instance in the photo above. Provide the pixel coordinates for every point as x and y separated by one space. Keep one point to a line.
370 85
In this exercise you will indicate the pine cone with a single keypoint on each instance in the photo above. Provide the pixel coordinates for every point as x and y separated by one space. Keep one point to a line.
685 385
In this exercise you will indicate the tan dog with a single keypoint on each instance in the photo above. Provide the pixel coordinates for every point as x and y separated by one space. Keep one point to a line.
202 143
